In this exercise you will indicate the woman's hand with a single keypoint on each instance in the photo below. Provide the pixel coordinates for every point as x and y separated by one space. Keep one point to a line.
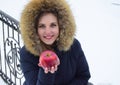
51 70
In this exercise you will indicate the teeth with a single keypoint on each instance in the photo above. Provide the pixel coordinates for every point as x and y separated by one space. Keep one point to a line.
48 37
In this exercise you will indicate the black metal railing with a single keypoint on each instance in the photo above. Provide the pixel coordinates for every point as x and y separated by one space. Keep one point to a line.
10 45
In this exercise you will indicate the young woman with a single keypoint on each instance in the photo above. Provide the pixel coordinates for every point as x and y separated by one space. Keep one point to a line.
50 25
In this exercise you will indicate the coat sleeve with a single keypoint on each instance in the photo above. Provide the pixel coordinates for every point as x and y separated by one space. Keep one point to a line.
82 71
33 74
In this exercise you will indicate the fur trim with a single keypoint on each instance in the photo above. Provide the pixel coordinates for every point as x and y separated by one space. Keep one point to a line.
66 22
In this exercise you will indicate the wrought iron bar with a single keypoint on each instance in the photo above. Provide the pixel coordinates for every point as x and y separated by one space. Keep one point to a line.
0 60
6 78
10 21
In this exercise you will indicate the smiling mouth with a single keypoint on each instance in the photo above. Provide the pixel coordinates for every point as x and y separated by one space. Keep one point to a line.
48 37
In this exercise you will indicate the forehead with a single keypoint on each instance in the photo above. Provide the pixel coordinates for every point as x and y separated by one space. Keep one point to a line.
48 17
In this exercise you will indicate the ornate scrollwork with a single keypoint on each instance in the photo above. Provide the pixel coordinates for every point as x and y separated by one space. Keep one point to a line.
13 58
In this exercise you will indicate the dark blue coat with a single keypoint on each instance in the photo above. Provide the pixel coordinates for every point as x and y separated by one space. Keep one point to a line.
73 68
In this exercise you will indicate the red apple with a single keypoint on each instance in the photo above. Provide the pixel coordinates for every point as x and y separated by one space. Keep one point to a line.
48 59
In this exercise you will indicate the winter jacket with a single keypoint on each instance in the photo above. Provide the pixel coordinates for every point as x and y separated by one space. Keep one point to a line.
73 68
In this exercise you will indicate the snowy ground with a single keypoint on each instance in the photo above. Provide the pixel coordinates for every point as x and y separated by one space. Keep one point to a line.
2 82
98 30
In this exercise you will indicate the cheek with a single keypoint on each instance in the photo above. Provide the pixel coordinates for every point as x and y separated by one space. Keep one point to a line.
57 32
40 33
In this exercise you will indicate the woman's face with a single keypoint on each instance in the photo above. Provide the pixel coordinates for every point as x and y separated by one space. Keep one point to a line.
48 29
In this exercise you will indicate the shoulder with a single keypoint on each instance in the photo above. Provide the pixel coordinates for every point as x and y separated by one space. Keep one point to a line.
25 55
76 44
76 48
24 52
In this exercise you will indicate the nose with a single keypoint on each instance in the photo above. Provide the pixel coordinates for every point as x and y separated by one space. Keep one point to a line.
47 30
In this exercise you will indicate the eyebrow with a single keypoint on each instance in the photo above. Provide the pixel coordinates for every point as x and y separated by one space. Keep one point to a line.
51 23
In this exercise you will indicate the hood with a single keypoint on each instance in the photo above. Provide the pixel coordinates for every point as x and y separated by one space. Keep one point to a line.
66 24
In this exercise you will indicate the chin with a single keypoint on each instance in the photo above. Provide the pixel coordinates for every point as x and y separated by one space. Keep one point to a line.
48 43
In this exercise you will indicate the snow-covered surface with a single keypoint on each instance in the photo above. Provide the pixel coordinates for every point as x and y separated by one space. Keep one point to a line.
98 30
2 82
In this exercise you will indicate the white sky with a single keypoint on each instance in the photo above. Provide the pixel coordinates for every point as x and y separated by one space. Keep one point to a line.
98 30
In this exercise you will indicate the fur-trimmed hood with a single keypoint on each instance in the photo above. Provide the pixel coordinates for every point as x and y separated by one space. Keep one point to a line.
66 24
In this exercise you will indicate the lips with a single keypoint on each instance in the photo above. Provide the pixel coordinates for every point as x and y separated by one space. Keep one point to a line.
48 36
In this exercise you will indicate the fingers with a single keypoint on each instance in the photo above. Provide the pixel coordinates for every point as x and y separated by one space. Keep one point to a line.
58 62
39 64
51 70
56 67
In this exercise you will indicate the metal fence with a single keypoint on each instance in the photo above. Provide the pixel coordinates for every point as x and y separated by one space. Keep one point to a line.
10 45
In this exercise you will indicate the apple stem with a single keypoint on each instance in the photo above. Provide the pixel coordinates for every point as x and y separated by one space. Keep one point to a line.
48 55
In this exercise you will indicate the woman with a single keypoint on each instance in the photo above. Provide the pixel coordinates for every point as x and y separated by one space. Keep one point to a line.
50 25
